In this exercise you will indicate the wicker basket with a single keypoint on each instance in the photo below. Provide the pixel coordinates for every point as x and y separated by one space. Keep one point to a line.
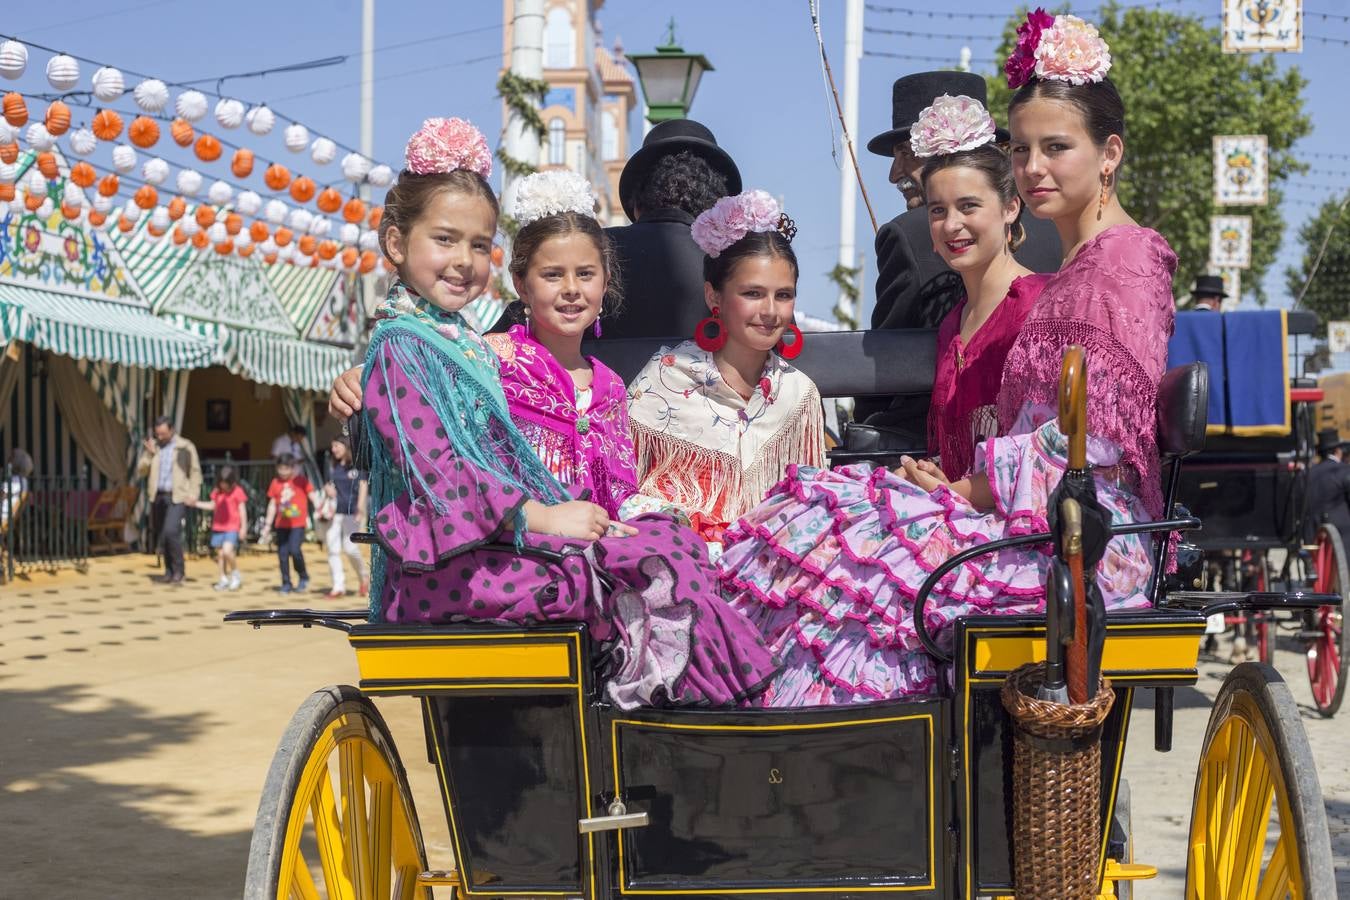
1057 828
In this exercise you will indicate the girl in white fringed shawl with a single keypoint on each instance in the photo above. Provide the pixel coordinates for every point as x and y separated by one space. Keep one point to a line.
717 420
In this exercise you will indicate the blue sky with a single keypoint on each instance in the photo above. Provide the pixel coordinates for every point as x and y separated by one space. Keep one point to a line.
765 101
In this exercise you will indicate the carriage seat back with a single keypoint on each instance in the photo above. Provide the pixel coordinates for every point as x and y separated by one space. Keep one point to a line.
1183 410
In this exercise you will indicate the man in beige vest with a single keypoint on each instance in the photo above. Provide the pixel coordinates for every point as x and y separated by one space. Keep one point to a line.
175 475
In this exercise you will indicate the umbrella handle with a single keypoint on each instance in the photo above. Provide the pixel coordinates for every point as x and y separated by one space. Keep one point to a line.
1073 405
1076 656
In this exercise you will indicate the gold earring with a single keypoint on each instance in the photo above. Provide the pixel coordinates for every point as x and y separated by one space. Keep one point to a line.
1106 189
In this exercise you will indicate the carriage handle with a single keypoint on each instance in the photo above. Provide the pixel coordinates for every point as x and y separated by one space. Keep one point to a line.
619 818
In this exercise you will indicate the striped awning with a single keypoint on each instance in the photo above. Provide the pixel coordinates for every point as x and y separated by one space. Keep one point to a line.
91 329
272 359
301 290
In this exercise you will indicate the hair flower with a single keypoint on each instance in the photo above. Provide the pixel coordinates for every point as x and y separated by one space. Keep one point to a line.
444 145
1059 48
552 193
1021 64
950 125
732 218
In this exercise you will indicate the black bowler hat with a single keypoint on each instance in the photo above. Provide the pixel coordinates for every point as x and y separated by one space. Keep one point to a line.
1328 439
1208 286
672 136
912 94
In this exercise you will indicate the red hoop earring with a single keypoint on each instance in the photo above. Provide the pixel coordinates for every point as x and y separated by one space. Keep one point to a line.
794 349
717 339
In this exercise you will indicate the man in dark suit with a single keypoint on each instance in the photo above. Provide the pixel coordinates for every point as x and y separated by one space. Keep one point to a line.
1328 488
1208 293
915 288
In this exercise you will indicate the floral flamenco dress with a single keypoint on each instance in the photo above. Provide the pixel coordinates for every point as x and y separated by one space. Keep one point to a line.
450 474
829 566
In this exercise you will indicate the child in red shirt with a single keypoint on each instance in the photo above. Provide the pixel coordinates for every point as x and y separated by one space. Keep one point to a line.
228 505
288 499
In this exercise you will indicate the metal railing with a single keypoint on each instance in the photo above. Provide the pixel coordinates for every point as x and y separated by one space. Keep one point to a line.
44 523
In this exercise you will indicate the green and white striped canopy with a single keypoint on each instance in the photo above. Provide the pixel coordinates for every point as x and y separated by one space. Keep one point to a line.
272 359
90 329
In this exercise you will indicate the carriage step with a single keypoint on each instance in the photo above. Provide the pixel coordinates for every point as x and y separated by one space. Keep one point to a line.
438 877
1118 871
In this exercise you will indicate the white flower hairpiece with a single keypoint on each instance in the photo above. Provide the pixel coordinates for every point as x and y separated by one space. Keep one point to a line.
950 125
552 193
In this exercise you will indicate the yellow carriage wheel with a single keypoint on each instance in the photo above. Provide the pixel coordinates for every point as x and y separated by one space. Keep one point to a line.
1258 826
336 819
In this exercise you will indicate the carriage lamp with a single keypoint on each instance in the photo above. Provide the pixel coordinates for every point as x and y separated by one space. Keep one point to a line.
669 78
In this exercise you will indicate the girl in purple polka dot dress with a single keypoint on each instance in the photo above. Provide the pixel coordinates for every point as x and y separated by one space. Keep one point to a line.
451 474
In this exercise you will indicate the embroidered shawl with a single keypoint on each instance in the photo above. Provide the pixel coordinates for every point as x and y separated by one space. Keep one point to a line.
707 450
584 448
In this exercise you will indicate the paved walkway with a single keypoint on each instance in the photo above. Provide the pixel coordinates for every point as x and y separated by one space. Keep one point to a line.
136 730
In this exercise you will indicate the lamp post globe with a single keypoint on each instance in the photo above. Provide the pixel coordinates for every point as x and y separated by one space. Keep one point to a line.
669 78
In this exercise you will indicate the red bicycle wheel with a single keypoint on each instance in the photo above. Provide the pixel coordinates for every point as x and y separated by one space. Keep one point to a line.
1326 653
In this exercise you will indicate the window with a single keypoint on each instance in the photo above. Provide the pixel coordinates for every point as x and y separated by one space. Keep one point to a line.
560 41
609 136
557 142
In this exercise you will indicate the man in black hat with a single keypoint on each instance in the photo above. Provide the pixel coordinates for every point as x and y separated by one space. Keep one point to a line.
1208 293
1328 488
915 288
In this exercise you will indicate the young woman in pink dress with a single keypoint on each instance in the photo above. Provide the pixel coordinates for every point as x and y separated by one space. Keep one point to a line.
829 566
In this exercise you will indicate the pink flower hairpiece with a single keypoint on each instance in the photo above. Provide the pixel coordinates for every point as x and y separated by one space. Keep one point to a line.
444 145
732 218
950 125
1057 48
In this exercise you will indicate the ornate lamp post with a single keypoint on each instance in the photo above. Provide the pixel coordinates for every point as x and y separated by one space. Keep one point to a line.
669 78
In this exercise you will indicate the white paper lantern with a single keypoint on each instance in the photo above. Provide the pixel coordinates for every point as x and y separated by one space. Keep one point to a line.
267 247
275 212
83 142
63 72
189 182
151 95
370 240
4 209
300 219
219 193
73 195
286 253
34 182
380 176
132 213
323 151
217 234
248 203
159 219
13 60
189 225
260 120
102 204
321 226
39 138
46 209
190 105
349 234
243 239
355 167
109 84
8 172
124 158
8 133
296 137
155 171
230 113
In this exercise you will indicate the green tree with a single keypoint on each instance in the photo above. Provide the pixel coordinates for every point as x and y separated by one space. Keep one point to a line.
1180 90
1326 261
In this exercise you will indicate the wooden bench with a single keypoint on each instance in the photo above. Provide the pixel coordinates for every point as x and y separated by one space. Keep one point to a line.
108 518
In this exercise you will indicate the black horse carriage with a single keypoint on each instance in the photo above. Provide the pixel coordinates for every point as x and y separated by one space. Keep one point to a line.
551 792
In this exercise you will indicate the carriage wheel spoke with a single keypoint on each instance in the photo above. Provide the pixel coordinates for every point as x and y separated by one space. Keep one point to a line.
302 881
380 835
328 833
351 767
1250 844
1275 883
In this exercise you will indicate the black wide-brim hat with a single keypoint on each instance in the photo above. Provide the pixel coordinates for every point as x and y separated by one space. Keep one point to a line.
672 136
912 94
1208 286
1328 439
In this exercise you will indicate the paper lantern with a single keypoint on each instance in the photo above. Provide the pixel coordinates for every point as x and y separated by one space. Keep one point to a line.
109 185
245 251
72 195
328 249
15 110
329 200
97 219
302 189
180 236
277 176
46 163
159 219
355 167
307 244
258 231
33 202
155 171
57 119
380 176
248 203
83 174
376 215
349 257
7 193
216 233
190 226
146 197
108 84
321 226
275 212
300 219
269 258
189 182
8 133
38 138
296 137
83 142
354 210
367 263
154 231
13 60
125 223
151 95
177 207
219 193
267 247
63 72
107 125
283 237
208 148
102 203
200 240
241 164
286 252
230 113
260 120
234 223
181 132
349 233
131 214
224 248
369 240
8 172
205 216
124 158
35 182
143 131
190 105
323 151
9 152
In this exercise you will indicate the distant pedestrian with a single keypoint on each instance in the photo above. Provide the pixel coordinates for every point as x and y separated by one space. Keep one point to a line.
288 499
1208 293
13 490
292 442
1328 488
170 462
347 489
229 525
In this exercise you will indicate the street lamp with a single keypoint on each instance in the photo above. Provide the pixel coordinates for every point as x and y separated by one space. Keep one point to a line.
669 78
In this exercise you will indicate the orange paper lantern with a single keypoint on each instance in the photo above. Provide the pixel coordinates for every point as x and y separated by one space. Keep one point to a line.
83 174
107 125
330 201
282 237
46 164
308 244
9 152
15 110
58 118
277 176
97 218
6 192
177 206
124 225
242 163
245 252
143 131
328 249
302 189
270 259
182 133
206 215
225 248
368 261
179 235
258 231
354 211
70 212
234 223
32 201
498 255
146 197
200 240
208 148
153 231
376 215
349 257
108 185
